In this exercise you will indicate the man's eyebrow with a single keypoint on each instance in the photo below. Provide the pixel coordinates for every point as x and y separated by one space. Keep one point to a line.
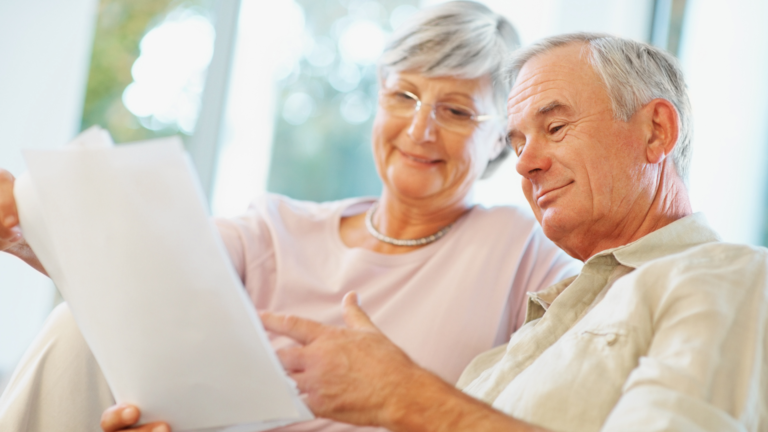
552 106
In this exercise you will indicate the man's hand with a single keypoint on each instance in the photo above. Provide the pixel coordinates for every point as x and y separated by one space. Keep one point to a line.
121 417
356 375
10 233
349 374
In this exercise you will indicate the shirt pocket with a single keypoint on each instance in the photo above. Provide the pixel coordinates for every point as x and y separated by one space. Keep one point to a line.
608 352
606 336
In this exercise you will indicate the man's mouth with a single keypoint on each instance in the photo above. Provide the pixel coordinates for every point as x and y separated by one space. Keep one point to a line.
543 195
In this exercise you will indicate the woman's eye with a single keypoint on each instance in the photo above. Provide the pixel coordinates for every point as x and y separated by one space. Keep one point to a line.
460 112
403 96
456 112
556 129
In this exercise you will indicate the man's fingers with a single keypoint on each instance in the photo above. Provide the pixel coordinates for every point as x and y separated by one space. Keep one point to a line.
301 330
292 358
354 316
302 382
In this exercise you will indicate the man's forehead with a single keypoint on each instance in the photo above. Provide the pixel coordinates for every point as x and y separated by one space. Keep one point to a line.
556 78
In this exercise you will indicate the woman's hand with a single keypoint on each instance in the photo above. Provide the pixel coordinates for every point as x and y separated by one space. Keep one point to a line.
10 233
11 239
122 416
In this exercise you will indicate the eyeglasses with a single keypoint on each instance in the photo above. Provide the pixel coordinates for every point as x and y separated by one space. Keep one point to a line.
452 117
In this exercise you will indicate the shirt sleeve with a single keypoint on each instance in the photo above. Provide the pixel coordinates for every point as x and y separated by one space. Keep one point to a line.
543 264
249 243
705 369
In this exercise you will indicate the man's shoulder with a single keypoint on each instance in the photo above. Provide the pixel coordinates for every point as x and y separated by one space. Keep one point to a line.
715 255
715 267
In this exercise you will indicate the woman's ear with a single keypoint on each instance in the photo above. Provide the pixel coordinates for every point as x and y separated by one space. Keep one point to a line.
498 145
664 129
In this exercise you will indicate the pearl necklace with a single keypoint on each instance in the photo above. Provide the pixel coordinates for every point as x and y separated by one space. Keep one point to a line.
400 242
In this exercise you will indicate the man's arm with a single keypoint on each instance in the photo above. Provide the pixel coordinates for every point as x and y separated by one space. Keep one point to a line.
705 368
356 375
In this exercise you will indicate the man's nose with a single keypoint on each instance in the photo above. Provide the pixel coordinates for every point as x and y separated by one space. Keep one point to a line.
535 158
423 127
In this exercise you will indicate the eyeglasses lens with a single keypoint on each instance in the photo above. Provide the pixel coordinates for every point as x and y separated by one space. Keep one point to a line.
451 117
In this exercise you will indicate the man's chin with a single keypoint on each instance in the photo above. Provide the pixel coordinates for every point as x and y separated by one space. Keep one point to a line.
555 224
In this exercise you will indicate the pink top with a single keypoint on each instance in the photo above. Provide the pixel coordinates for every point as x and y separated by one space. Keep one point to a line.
443 303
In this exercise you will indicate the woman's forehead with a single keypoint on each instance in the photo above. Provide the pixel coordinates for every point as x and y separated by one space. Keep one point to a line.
477 89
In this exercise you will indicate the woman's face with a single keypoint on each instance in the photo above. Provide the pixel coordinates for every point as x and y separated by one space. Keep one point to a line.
419 159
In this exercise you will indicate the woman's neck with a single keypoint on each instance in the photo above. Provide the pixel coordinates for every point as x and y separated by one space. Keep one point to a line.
411 219
401 219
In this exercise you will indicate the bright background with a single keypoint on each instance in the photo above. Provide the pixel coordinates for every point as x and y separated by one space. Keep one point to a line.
279 96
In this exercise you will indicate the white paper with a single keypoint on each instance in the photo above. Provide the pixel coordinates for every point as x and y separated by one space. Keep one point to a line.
124 234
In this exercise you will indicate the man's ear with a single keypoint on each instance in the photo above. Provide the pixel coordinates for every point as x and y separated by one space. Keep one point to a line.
664 129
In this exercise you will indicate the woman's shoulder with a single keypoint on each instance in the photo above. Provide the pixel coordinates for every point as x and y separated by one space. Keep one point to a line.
273 205
502 218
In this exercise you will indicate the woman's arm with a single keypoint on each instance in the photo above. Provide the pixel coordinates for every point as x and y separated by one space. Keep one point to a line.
11 239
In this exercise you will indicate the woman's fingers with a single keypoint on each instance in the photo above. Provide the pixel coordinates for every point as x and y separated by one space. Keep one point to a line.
9 217
119 417
123 416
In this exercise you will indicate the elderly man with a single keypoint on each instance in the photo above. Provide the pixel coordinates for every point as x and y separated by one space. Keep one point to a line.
665 327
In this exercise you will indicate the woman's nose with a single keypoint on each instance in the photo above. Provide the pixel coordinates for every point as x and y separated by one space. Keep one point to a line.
535 158
423 127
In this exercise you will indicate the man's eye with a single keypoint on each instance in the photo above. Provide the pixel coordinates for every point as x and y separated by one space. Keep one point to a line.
556 129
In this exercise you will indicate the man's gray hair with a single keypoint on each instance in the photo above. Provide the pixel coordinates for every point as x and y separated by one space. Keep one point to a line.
459 39
634 73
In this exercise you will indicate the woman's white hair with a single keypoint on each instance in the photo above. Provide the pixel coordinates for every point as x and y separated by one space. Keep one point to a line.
460 39
634 73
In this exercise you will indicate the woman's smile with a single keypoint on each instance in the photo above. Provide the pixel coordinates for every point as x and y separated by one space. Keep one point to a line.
419 161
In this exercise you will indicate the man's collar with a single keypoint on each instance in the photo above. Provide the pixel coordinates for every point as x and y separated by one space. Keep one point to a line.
676 237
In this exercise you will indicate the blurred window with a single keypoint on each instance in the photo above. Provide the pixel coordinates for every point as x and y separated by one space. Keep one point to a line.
148 67
302 100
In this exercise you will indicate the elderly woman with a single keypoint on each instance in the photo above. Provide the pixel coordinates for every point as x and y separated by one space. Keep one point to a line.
444 279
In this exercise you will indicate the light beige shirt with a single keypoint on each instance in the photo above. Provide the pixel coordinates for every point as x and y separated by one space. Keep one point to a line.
668 333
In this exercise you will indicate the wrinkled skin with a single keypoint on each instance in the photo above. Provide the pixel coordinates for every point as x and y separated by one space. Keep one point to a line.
593 182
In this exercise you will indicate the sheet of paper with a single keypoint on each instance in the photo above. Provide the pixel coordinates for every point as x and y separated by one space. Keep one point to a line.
124 234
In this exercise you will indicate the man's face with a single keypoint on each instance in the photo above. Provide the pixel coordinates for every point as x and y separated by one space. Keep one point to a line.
583 171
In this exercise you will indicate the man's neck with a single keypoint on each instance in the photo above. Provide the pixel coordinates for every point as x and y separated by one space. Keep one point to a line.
669 204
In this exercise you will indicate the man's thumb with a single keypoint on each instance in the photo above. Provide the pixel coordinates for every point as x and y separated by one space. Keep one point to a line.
354 316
